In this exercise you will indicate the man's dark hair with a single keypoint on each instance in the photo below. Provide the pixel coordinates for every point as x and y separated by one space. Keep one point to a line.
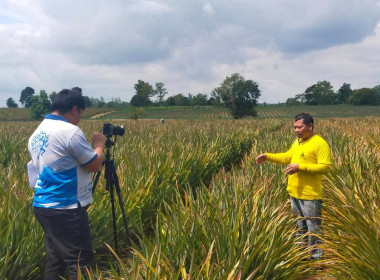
66 99
307 119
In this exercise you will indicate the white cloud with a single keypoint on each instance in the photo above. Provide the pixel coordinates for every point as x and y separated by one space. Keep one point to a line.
207 8
149 7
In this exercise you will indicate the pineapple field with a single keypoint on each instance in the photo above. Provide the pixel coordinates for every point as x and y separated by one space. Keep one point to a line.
199 207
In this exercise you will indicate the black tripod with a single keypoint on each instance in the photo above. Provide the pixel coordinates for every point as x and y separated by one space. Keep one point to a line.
112 183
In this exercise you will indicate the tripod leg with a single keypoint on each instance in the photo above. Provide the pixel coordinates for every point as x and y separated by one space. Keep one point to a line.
95 181
110 186
121 203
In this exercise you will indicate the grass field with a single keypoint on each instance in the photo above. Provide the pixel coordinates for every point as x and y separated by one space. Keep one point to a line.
199 207
22 114
273 111
206 112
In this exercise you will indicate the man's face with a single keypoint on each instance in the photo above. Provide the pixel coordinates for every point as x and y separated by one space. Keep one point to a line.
302 130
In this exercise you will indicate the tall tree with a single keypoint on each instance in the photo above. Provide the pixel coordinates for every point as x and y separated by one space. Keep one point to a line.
321 93
26 97
343 94
143 91
239 95
225 91
160 91
40 105
11 103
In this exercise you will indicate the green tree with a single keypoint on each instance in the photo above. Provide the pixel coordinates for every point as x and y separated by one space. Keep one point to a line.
78 89
377 92
321 93
143 91
364 96
87 101
101 102
239 95
94 102
26 97
40 105
292 101
115 103
11 103
297 100
212 101
160 91
223 93
300 98
343 94
52 95
137 113
170 101
178 100
199 100
139 101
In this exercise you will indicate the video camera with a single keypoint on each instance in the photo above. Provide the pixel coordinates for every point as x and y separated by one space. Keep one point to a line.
109 130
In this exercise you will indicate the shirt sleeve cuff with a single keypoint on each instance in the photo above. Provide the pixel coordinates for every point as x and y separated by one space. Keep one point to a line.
301 167
91 160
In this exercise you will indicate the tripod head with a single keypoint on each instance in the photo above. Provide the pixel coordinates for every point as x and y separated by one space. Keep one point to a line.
109 143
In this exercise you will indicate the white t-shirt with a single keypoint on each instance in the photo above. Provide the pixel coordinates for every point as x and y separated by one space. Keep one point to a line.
59 150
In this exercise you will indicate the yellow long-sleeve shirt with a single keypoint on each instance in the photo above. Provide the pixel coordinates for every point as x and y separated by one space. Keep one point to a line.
313 158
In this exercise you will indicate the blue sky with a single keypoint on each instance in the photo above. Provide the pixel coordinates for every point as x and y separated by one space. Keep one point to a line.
105 47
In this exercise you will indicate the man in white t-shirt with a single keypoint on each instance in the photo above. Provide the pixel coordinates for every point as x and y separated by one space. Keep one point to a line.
63 160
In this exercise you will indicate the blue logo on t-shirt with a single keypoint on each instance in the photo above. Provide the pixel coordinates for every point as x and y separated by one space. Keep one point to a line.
39 143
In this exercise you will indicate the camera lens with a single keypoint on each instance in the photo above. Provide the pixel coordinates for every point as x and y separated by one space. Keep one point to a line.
109 130
118 130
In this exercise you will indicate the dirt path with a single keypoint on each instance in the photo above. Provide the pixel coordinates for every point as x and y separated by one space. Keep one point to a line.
102 114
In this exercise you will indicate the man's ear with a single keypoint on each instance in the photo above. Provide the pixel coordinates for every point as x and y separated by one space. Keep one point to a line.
74 109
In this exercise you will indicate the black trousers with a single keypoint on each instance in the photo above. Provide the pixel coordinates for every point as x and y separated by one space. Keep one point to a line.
67 241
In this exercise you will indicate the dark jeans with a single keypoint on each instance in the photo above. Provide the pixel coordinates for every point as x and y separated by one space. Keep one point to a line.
67 241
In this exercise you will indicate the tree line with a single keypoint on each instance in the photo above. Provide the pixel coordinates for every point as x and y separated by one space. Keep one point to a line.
144 93
39 105
322 93
235 93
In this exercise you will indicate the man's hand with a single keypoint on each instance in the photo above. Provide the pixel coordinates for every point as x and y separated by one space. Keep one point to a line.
292 168
261 158
98 140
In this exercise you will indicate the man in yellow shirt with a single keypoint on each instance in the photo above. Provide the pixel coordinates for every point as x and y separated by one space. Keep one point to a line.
307 160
